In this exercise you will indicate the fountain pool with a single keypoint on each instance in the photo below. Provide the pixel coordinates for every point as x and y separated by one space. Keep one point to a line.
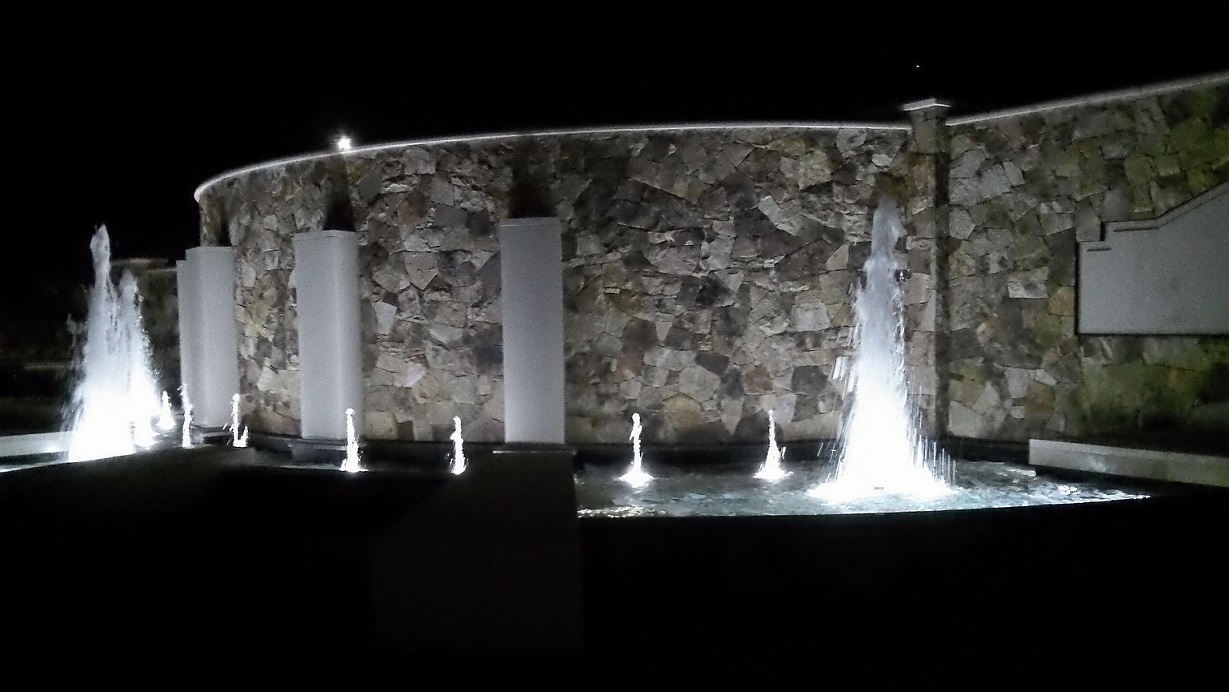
729 490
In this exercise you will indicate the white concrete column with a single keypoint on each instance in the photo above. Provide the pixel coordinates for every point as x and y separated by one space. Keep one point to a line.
531 301
216 344
330 340
189 343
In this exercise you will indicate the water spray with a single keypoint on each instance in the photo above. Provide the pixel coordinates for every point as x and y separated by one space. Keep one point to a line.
351 464
636 475
458 451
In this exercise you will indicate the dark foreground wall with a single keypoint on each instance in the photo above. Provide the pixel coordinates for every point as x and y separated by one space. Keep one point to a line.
202 551
211 549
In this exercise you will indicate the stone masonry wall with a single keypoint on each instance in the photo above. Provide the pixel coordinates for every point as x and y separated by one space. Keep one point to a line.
706 277
707 274
1023 192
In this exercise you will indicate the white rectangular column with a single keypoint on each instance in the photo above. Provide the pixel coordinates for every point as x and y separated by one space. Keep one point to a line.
188 342
531 263
330 340
216 350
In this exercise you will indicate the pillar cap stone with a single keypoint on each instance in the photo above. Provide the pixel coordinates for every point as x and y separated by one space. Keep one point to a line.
931 103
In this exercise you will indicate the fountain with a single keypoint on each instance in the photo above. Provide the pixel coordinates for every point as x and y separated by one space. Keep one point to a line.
636 475
236 439
114 400
771 469
882 461
186 435
882 450
351 464
143 398
458 453
166 418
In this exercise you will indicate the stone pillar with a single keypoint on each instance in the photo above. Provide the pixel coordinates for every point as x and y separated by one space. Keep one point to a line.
531 257
330 338
216 350
927 250
189 343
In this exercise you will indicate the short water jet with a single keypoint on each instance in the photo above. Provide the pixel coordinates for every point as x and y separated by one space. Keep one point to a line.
636 476
458 451
352 462
771 469
236 439
166 418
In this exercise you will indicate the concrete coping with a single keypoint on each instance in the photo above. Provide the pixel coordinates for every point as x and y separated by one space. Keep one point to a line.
924 104
512 136
1166 218
1127 94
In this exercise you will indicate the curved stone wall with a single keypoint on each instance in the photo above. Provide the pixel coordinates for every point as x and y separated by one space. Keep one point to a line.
707 272
706 276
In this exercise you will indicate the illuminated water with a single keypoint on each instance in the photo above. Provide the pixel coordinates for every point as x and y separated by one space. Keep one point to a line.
771 469
882 449
636 476
458 448
237 439
166 417
729 491
352 463
115 400
185 438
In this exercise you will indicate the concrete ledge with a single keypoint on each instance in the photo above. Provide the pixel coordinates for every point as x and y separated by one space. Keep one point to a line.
515 448
1151 464
317 450
37 443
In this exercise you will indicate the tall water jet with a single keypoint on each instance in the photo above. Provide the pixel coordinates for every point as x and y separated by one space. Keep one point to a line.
236 439
882 450
114 399
351 464
636 476
771 469
143 400
458 451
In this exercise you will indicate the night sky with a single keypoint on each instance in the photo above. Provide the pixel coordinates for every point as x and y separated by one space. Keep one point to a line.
120 131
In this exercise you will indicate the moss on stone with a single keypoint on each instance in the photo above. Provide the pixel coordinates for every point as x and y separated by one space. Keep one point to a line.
1039 400
1200 180
1139 170
1193 141
997 217
1203 103
1050 332
1220 147
1150 144
1066 162
1136 396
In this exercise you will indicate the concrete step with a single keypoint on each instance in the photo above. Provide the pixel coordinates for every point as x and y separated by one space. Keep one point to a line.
1151 464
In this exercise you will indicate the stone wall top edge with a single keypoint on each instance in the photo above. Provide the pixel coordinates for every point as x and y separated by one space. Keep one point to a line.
1097 99
512 136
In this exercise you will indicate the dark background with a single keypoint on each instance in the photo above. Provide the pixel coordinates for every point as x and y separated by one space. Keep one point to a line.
116 123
